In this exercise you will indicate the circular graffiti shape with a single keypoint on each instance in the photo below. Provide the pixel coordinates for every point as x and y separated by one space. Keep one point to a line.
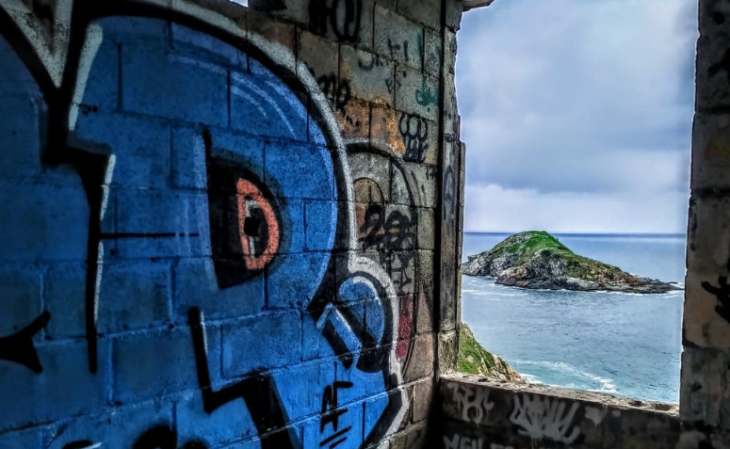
252 207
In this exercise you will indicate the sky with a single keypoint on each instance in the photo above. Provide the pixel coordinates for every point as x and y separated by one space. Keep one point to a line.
577 115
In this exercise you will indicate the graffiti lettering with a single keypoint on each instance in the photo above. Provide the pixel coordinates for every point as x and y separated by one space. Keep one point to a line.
342 17
331 416
414 131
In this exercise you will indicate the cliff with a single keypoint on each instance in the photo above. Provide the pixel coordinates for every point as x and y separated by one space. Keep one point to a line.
537 260
474 359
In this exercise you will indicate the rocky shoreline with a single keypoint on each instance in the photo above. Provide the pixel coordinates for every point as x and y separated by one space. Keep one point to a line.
537 260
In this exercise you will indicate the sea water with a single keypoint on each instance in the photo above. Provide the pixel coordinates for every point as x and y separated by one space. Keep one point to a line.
624 344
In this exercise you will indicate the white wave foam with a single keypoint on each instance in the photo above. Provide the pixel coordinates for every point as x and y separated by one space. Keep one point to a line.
606 384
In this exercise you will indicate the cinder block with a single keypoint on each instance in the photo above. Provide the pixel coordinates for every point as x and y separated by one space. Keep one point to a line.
134 295
15 78
299 171
347 427
196 286
416 93
705 319
72 391
371 173
398 38
432 57
14 440
302 387
414 185
158 83
427 12
384 130
245 352
157 213
292 280
423 395
206 47
20 133
713 69
43 222
421 364
448 350
262 105
141 147
135 30
320 218
349 23
21 300
703 391
419 137
274 30
328 333
65 299
162 363
119 428
369 76
711 152
425 308
231 422
426 229
319 54
101 89
354 120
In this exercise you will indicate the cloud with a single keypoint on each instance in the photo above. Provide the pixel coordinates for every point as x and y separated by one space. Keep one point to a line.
495 209
578 97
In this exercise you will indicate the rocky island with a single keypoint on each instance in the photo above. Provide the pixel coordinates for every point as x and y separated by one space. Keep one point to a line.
537 260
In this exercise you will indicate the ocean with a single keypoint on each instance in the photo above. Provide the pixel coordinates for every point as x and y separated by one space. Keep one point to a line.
623 344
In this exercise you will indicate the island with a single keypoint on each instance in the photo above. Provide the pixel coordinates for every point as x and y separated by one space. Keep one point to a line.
537 260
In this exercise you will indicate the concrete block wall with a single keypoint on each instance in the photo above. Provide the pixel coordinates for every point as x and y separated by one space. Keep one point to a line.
226 226
481 413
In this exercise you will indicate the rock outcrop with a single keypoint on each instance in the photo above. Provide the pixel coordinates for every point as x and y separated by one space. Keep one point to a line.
474 359
537 260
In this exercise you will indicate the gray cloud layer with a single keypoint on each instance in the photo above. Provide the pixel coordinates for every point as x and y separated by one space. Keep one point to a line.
577 114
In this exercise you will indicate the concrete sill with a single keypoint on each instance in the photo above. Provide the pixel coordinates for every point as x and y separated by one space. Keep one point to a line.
492 414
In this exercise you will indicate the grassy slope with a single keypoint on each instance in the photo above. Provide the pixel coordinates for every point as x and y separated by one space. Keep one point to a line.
473 358
540 241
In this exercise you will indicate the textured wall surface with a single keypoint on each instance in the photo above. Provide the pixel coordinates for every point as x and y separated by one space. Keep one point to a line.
226 226
490 414
705 389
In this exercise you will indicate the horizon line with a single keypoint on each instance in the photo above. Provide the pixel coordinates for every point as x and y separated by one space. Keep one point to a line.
587 233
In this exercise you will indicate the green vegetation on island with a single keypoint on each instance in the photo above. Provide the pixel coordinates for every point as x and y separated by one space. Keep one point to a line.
474 359
537 260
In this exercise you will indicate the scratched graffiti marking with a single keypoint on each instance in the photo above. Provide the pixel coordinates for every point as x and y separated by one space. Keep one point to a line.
473 402
542 417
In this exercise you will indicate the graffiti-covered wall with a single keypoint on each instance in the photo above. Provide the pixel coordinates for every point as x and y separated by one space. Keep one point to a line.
226 226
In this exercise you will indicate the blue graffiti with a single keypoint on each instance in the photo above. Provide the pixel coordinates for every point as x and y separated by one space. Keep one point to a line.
194 252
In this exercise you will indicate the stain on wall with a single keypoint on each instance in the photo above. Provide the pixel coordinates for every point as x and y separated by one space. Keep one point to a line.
199 251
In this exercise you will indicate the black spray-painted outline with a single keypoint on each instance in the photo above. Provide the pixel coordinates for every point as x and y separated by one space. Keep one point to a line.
19 348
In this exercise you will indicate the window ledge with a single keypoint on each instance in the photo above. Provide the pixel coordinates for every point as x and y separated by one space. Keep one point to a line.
494 414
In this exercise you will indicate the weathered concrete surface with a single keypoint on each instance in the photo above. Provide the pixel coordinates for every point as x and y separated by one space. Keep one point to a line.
482 413
705 385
